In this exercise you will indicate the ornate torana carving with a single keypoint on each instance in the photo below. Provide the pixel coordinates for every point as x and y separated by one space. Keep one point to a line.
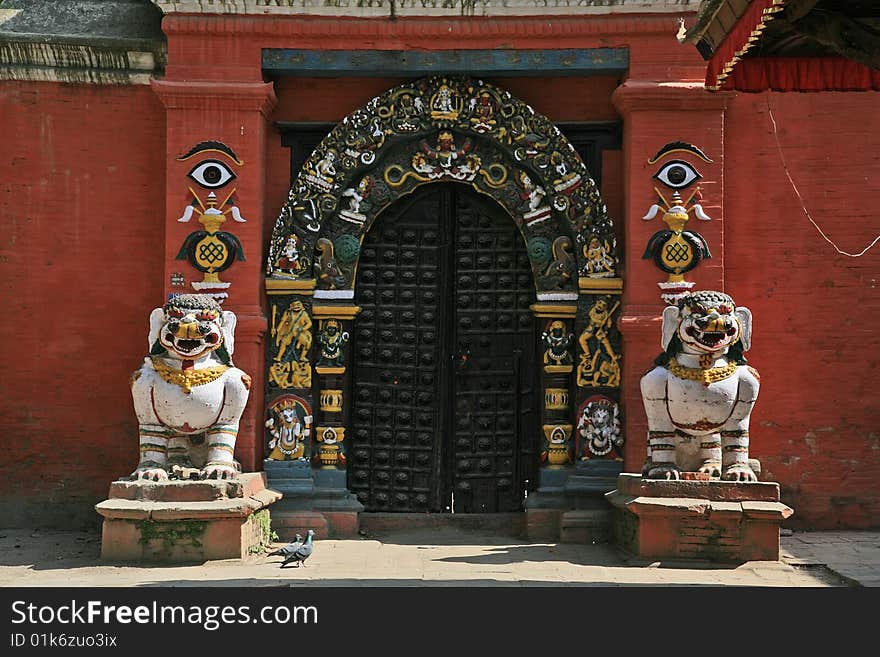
700 395
443 129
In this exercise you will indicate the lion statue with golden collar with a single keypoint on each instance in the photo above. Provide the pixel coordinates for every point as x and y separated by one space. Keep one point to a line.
188 396
700 394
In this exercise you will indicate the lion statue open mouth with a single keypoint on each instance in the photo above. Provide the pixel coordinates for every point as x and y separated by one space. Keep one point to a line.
700 395
188 396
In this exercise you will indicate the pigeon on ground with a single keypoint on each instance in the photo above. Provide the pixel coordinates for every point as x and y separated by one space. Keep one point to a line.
288 549
301 553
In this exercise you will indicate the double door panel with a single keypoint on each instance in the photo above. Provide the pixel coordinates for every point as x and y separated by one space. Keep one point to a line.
443 387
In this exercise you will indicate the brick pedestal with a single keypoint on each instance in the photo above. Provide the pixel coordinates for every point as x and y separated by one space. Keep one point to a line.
176 521
702 520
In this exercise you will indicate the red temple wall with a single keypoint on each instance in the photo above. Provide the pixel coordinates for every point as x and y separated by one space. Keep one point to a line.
81 200
814 426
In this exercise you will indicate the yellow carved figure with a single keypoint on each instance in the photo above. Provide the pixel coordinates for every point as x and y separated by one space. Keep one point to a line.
599 365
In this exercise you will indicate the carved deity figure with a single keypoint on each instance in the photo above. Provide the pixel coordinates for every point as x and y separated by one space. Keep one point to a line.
599 428
290 254
700 395
289 427
292 337
331 339
187 395
557 340
483 112
530 192
599 263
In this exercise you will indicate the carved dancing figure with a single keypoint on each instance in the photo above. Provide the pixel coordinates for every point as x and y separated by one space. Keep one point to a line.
700 395
188 389
596 349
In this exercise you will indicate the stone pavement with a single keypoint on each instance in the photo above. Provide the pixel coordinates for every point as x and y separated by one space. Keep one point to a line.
442 557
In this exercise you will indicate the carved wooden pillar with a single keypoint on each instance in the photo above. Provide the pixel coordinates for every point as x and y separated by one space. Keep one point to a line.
332 364
556 333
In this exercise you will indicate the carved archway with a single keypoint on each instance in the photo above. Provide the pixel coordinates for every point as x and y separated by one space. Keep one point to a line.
440 129
444 129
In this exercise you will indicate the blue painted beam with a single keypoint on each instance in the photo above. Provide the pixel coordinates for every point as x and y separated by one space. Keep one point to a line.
281 62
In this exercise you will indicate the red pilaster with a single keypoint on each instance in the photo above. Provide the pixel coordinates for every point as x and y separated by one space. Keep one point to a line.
234 113
655 114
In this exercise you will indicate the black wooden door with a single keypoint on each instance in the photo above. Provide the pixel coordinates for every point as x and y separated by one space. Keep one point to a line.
444 371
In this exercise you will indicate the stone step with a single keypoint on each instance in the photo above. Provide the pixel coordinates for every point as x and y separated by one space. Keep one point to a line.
505 524
586 527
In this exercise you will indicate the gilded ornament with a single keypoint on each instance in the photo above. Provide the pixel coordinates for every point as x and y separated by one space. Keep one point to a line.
331 401
188 379
556 399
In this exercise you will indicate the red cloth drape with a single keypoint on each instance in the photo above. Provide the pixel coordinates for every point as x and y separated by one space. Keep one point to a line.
801 74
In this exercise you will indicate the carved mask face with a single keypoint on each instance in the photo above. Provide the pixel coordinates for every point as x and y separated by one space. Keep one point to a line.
708 325
189 333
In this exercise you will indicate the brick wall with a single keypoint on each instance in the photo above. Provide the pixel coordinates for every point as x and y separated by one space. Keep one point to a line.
81 201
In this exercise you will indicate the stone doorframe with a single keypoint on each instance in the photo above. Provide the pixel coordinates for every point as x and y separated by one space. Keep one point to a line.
444 129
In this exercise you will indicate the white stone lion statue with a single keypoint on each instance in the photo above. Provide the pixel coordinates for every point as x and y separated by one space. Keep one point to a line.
700 395
188 396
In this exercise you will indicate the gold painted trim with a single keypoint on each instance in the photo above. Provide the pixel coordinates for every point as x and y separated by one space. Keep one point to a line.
335 312
556 399
554 310
305 286
558 369
339 431
330 370
331 400
606 285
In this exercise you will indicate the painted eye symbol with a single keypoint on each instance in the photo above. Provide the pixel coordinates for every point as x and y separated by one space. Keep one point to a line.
677 174
211 174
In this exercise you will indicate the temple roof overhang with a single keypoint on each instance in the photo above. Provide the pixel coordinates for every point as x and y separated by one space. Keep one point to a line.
788 45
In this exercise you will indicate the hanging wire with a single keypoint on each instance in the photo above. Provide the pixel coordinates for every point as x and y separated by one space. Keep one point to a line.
800 198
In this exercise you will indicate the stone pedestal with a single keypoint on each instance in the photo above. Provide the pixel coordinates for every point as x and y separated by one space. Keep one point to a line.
702 520
315 499
176 521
